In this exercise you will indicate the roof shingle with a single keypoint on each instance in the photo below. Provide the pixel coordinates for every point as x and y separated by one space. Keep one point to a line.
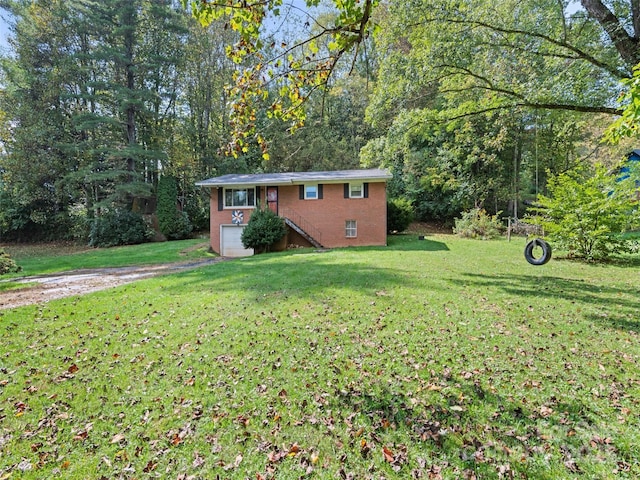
296 178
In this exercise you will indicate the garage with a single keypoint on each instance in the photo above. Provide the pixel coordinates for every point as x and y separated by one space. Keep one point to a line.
230 242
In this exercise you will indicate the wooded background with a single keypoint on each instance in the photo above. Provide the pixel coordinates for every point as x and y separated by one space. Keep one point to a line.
469 104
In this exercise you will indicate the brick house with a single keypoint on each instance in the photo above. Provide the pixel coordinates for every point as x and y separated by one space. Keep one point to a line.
322 209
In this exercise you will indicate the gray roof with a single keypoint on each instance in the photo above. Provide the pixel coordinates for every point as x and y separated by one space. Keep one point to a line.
296 178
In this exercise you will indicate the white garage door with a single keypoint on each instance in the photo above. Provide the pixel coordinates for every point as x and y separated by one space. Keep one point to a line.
230 243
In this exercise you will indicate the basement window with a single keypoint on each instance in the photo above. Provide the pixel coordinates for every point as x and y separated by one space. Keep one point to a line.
351 229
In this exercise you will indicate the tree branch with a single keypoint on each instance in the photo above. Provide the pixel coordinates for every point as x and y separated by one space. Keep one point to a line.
626 45
542 106
541 36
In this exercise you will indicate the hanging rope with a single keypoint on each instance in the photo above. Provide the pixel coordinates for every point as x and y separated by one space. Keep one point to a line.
535 148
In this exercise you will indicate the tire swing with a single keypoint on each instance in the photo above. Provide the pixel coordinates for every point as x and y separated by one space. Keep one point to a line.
546 252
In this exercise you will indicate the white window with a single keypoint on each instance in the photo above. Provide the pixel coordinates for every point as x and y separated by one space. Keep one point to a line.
311 191
356 190
239 197
351 228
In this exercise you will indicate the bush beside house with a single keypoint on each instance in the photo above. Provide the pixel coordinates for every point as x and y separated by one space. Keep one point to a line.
264 229
399 215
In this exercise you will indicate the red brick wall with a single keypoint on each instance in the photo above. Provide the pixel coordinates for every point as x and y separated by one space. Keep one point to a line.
327 215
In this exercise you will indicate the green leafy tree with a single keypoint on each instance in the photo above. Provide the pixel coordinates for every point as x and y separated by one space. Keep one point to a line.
485 56
297 69
263 230
91 105
34 199
129 92
195 150
173 223
587 212
479 99
628 124
444 171
334 132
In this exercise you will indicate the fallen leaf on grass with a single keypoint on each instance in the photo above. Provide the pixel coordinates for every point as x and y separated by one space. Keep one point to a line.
235 464
545 411
21 408
364 448
122 456
117 438
572 466
388 454
275 457
396 459
176 440
295 449
198 461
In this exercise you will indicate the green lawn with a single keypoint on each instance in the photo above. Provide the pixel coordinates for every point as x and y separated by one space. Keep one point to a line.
42 259
441 358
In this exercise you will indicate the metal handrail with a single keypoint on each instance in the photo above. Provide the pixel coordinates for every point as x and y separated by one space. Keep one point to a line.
301 222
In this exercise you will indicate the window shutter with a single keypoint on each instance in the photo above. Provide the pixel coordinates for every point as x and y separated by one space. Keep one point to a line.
320 191
346 190
257 197
365 187
301 192
220 199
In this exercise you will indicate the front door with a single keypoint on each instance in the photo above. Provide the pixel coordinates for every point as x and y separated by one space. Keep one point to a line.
272 199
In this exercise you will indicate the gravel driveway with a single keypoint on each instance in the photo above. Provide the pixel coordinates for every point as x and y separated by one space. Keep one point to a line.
80 282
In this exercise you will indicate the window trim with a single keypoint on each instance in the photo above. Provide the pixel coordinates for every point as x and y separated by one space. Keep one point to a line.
317 191
351 185
247 189
364 190
351 228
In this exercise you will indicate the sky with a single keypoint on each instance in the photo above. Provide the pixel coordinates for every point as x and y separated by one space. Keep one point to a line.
4 30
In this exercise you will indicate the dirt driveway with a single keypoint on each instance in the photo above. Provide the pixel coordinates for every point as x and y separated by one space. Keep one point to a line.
80 282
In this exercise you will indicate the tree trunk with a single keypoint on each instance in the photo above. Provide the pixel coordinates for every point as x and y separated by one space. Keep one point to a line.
625 43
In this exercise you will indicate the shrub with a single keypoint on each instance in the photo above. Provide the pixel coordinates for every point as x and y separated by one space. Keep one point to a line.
263 230
588 211
196 205
173 223
7 264
119 227
477 223
399 215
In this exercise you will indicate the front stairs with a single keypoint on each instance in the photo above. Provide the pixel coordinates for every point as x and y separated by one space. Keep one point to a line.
303 227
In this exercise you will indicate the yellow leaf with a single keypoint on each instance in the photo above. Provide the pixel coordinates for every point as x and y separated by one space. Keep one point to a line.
266 156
